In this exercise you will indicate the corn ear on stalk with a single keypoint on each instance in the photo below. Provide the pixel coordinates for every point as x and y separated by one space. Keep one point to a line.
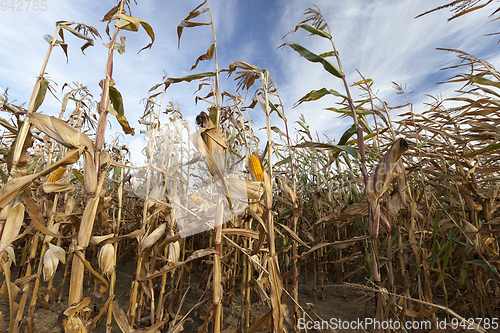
256 168
107 259
56 175
174 251
153 237
51 259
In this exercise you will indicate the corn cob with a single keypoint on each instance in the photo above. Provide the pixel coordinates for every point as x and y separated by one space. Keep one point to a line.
56 175
256 168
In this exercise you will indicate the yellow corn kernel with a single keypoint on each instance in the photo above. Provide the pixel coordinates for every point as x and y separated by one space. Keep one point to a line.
256 168
56 175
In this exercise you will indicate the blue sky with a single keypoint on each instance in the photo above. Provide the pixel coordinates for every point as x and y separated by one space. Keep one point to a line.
380 39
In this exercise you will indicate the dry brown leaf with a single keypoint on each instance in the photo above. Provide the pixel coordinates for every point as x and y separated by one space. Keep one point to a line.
197 254
14 217
242 232
60 131
70 311
294 235
336 245
36 215
121 318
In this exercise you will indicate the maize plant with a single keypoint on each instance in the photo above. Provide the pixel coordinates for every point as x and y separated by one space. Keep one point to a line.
226 230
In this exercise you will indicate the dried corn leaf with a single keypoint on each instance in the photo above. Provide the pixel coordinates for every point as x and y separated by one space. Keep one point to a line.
60 131
242 232
14 219
89 173
36 216
197 254
336 245
294 235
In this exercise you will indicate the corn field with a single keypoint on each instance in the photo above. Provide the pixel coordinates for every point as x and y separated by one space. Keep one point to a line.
223 231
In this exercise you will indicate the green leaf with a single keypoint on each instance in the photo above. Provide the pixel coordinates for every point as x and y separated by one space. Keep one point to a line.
347 134
484 150
4 176
489 91
483 264
118 47
282 162
42 90
280 114
358 112
313 30
365 126
317 94
453 240
365 138
78 176
420 145
118 111
330 68
328 54
481 80
447 253
463 274
463 268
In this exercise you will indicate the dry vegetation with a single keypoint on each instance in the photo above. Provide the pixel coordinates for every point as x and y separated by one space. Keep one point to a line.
405 212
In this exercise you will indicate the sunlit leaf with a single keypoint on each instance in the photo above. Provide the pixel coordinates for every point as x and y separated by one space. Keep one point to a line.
42 85
317 94
313 30
207 56
117 102
330 68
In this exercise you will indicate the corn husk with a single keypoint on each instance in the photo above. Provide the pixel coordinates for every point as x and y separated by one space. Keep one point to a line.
51 259
107 259
57 187
74 325
153 237
174 251
11 255
99 239
54 228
